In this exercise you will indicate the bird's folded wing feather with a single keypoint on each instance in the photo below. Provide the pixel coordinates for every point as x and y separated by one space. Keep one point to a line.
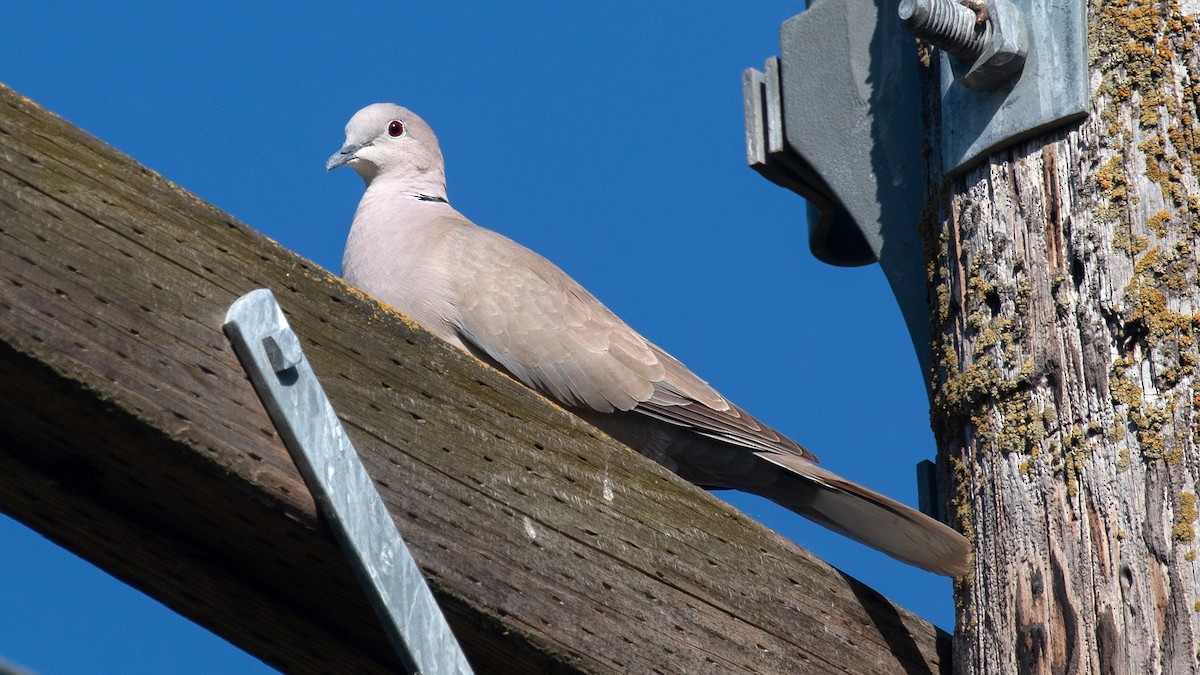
554 336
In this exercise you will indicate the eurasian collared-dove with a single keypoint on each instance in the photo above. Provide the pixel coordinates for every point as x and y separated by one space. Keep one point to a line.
512 308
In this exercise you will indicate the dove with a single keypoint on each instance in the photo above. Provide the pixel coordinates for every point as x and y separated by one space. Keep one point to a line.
513 309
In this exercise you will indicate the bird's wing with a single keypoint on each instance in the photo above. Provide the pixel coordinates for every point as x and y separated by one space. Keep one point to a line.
551 334
725 422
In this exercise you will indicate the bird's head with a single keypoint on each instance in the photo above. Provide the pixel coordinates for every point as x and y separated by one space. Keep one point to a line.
384 139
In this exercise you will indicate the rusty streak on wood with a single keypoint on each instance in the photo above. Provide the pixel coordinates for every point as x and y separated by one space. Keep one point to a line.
129 434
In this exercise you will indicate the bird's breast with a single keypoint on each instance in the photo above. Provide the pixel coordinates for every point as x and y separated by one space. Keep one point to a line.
406 268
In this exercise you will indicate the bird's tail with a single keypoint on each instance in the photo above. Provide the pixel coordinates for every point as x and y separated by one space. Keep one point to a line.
865 516
796 483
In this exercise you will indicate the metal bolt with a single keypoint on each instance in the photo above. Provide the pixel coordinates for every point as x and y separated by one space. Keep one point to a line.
990 51
283 349
947 25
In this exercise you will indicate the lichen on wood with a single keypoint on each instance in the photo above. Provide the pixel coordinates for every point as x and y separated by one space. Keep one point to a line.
1066 393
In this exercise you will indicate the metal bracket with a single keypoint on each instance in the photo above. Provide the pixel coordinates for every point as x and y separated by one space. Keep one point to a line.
1051 90
271 355
833 236
838 120
929 494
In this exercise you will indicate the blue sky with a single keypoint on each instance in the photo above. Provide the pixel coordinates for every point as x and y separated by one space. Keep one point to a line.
606 136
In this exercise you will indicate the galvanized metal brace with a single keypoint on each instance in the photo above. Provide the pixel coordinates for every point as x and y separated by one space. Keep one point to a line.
271 354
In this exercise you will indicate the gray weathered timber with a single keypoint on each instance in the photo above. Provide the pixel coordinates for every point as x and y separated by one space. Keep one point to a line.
129 434
1067 340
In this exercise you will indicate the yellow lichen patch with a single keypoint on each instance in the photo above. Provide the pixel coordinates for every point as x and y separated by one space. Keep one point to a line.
1187 513
1136 46
1123 460
1144 51
1114 207
1164 168
1110 178
1157 276
1149 422
1069 457
1020 429
1125 393
1158 223
1196 419
960 509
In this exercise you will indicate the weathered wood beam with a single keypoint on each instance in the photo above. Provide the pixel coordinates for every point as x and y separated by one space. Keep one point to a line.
130 435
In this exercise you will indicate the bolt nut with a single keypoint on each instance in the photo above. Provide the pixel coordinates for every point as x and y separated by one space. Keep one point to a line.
1004 57
283 349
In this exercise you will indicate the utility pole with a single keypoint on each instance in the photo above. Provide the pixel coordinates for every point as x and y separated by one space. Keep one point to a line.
1065 348
1035 165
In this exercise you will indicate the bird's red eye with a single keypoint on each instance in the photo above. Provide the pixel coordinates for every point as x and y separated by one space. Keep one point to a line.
395 128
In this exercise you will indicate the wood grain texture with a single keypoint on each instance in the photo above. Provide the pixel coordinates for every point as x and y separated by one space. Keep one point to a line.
1067 319
130 435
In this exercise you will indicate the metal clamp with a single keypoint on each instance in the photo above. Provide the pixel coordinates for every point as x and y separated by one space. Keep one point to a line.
271 355
837 119
1011 69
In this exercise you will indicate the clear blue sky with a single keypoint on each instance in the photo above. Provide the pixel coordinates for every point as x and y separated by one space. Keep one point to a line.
606 136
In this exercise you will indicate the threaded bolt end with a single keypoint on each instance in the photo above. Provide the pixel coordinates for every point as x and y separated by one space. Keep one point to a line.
946 25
